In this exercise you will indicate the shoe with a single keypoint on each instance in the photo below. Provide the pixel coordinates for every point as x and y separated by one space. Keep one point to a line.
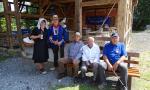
52 69
102 86
42 71
76 79
61 75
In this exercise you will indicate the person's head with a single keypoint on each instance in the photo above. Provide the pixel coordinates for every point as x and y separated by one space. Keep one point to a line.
77 36
42 23
90 41
114 38
55 20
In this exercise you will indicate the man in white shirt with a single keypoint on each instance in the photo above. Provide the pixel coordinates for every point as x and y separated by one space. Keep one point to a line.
90 57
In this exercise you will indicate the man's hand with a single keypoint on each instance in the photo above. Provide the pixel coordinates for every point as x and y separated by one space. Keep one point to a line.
110 67
59 43
35 37
76 62
55 42
115 66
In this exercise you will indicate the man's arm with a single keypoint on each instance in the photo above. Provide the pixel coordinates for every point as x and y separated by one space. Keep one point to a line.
67 50
97 58
84 54
79 55
64 36
110 68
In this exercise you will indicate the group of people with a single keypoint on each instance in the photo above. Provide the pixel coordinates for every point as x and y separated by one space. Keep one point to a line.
83 55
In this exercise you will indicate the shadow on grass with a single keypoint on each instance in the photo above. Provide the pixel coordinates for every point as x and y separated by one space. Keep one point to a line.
110 86
80 87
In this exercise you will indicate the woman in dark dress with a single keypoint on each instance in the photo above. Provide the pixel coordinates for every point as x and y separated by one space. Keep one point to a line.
40 52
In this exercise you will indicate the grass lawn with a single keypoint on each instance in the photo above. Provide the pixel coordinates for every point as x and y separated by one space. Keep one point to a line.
142 83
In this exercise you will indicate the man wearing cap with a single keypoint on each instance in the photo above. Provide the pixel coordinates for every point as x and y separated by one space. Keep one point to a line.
57 36
73 55
114 54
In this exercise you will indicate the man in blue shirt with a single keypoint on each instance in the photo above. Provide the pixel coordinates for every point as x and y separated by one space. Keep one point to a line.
57 36
114 54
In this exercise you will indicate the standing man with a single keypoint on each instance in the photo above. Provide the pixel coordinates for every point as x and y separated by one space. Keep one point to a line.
58 37
73 55
90 57
114 54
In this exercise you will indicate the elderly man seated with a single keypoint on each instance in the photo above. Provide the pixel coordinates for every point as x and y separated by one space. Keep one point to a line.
73 55
90 58
114 54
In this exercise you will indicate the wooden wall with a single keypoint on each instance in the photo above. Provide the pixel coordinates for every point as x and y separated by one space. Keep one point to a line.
99 12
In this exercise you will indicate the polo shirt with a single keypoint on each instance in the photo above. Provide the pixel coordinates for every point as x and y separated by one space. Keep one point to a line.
114 51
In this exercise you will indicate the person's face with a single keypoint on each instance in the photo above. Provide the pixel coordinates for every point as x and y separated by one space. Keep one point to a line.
55 21
76 38
114 40
43 24
90 42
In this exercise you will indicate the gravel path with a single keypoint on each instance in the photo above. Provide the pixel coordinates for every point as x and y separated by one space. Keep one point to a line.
20 74
141 41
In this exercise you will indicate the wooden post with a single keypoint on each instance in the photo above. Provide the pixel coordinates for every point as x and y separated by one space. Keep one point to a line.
124 20
8 23
129 83
121 20
78 16
18 16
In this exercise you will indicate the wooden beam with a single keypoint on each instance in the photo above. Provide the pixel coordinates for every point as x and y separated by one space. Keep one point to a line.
97 3
78 16
46 9
65 1
8 23
17 16
33 16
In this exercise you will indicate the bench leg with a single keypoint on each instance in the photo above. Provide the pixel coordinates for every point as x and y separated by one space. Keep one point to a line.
129 83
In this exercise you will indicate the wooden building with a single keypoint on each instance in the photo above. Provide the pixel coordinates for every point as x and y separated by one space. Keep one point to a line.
76 11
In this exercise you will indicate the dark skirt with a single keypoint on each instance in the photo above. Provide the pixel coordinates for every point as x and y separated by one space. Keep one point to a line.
40 52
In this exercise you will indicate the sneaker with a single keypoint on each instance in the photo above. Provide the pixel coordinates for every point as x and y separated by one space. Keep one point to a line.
76 79
52 69
101 86
44 72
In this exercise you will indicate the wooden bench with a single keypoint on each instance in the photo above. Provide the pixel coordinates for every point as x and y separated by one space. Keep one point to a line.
132 62
133 69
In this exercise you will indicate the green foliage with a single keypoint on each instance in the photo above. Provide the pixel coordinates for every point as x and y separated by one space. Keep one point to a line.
142 14
28 23
3 25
